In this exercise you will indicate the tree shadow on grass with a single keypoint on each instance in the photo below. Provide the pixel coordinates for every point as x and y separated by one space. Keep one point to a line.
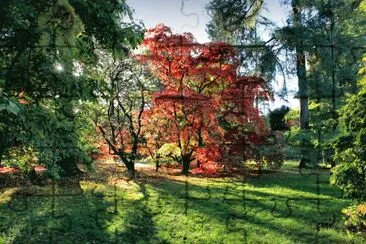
139 224
52 214
164 211
258 213
70 214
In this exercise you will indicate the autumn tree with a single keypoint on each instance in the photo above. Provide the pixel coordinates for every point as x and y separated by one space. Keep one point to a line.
243 124
194 123
194 77
155 129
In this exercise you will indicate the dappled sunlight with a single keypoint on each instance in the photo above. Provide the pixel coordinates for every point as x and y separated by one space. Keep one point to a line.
182 121
178 207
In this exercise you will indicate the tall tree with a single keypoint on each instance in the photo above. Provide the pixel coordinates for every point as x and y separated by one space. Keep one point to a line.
44 46
322 42
301 67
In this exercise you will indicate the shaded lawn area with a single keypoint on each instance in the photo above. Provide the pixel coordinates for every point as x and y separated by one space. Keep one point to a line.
284 207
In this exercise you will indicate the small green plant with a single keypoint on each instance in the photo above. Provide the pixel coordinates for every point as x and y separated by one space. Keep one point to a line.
356 218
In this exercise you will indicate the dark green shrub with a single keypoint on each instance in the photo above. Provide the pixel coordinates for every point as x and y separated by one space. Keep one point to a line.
277 118
350 147
269 156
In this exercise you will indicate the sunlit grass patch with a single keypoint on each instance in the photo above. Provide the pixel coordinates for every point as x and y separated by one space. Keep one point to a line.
274 208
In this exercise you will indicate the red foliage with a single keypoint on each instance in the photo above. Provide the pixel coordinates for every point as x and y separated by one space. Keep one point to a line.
177 59
245 125
103 152
208 158
201 88
39 168
8 170
192 118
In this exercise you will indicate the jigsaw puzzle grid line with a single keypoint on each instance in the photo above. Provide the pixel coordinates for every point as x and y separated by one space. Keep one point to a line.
187 198
27 197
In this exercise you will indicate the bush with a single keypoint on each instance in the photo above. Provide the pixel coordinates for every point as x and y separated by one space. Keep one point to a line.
292 153
350 147
356 218
269 156
350 178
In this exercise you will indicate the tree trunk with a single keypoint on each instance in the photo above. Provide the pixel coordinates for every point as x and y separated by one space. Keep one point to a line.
68 164
301 70
200 138
301 76
200 143
302 163
157 165
130 165
131 173
131 170
2 150
186 165
69 167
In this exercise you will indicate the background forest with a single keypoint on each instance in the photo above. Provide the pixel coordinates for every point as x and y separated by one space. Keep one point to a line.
88 94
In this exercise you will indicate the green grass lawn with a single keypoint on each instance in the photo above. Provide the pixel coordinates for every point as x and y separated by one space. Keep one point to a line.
285 207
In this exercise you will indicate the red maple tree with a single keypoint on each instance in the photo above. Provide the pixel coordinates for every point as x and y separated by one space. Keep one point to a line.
201 90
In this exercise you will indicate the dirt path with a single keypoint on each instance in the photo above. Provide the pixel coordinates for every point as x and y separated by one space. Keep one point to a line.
145 166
